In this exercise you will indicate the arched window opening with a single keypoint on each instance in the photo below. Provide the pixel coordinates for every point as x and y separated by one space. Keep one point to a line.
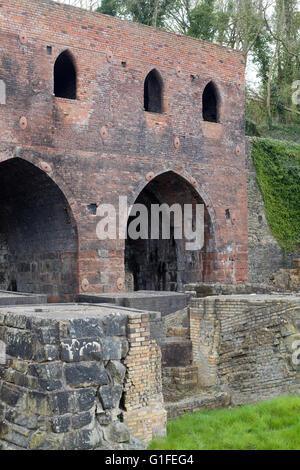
210 103
153 92
65 77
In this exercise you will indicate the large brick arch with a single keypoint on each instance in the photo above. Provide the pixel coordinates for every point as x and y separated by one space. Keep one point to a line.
166 264
188 178
38 233
37 160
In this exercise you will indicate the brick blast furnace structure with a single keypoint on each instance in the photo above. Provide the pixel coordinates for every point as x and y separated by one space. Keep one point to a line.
93 108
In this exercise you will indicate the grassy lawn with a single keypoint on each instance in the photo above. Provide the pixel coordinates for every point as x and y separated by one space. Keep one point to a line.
271 425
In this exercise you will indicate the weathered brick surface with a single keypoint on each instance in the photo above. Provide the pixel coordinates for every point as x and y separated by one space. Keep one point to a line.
244 344
79 377
143 392
176 352
288 279
63 136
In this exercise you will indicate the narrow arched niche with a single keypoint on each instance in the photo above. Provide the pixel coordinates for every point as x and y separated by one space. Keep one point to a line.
210 103
153 92
65 80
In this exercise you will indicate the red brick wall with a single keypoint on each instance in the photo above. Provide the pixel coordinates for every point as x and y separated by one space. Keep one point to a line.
89 169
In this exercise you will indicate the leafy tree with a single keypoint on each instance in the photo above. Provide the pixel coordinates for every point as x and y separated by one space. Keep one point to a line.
109 7
261 54
149 12
203 21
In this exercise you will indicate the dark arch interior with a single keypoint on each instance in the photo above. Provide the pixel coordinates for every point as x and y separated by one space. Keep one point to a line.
65 77
166 265
38 235
210 103
153 92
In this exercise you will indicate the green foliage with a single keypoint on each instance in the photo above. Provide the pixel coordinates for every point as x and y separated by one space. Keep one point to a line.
203 21
286 31
278 174
262 54
279 131
149 12
251 128
144 11
109 7
271 425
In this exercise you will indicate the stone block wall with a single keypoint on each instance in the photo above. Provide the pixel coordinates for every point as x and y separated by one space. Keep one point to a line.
148 301
79 377
244 344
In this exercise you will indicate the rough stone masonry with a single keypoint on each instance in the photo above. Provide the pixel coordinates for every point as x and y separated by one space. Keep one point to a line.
78 128
79 377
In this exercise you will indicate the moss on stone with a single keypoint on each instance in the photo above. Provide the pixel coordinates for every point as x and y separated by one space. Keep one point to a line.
277 166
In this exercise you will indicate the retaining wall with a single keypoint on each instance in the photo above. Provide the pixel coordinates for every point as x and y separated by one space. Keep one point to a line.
244 344
79 377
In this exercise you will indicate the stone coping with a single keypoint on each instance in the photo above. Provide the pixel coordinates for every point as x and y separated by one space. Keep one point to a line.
160 301
245 288
250 297
72 311
21 298
136 294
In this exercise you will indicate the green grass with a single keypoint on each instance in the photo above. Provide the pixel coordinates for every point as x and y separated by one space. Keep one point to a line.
271 425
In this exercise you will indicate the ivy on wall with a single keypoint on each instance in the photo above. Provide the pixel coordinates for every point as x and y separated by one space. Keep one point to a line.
278 174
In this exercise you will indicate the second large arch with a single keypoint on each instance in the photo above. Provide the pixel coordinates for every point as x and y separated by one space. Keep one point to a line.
166 264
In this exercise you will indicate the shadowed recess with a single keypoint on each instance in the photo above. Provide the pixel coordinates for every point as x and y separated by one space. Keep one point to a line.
210 103
166 265
153 88
38 234
65 76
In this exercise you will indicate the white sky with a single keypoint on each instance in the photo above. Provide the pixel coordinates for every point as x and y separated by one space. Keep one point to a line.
252 74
